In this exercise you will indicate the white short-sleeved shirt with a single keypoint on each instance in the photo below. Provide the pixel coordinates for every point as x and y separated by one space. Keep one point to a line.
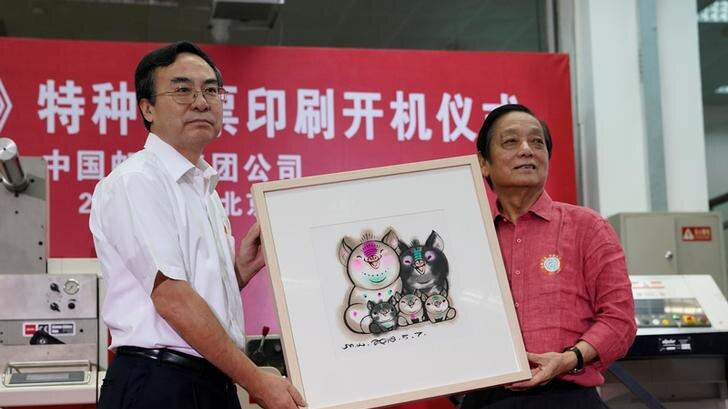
158 212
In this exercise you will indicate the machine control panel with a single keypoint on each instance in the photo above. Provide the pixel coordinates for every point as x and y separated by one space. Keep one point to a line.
678 304
48 309
670 313
679 315
48 296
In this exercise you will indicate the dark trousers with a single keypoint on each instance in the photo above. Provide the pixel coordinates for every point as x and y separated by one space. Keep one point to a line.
554 395
136 382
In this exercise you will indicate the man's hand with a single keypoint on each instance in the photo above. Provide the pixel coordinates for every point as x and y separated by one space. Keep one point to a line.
273 392
549 365
191 317
249 259
545 367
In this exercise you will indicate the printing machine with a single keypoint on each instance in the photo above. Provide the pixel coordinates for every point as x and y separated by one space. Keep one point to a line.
677 267
679 315
49 327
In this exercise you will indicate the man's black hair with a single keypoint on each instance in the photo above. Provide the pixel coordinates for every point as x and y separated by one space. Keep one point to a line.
486 131
162 57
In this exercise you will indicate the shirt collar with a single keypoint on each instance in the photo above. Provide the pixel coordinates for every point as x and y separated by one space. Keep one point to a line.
209 173
541 208
177 165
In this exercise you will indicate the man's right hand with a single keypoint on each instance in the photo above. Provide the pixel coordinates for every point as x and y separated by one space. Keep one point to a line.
190 316
274 392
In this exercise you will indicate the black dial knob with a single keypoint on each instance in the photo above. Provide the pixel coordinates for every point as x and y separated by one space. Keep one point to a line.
54 287
54 307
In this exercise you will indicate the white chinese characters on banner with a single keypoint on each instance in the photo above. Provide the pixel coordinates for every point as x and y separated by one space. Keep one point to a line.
226 165
65 105
229 120
366 111
231 202
272 103
89 165
113 105
457 109
289 166
410 114
257 168
251 205
488 107
315 113
57 163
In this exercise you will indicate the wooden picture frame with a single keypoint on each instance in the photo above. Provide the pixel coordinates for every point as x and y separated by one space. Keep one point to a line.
389 284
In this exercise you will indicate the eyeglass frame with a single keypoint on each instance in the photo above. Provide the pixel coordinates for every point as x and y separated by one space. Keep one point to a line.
222 94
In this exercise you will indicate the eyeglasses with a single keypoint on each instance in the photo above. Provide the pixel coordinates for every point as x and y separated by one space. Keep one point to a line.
186 95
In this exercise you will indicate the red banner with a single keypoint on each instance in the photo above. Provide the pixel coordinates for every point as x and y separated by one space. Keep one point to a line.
293 112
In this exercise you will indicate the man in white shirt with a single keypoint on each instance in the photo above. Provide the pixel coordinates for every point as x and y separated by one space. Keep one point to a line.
166 250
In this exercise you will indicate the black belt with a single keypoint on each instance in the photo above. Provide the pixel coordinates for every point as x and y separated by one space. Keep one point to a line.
172 357
555 385
483 397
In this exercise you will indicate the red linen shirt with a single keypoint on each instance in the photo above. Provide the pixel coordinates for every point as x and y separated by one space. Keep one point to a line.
569 281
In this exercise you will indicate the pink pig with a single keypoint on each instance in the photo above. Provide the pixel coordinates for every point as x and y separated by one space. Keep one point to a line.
373 268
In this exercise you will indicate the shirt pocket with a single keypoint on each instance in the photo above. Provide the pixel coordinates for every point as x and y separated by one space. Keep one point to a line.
549 294
544 308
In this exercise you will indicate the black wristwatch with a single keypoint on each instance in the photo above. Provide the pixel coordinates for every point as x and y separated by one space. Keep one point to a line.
579 368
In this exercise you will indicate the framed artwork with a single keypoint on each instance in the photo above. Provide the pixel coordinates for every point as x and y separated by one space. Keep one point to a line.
389 284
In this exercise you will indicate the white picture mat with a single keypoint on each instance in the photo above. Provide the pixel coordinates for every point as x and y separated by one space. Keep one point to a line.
307 223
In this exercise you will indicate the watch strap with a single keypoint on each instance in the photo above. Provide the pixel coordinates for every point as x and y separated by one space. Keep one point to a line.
579 359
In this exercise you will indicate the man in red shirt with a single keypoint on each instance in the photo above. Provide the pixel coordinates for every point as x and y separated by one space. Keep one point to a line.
566 270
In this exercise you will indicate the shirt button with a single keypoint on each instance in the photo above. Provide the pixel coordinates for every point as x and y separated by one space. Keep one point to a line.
518 272
518 240
516 304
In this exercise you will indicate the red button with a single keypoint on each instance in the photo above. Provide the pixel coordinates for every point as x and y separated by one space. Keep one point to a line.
28 329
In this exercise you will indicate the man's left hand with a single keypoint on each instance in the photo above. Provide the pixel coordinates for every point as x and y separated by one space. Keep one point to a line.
250 256
544 368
